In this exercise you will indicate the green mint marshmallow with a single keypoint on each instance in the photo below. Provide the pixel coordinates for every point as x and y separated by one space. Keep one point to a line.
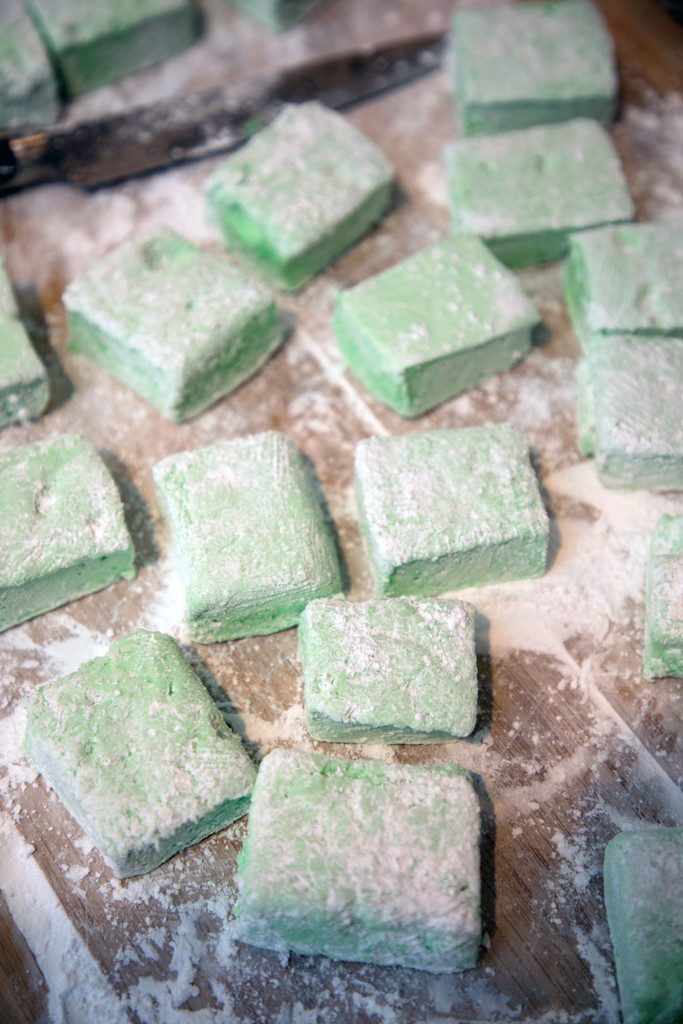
179 326
362 861
630 410
300 193
401 670
663 654
532 64
62 529
644 901
93 44
251 543
277 14
139 753
626 279
434 325
28 94
447 509
524 192
585 411
24 386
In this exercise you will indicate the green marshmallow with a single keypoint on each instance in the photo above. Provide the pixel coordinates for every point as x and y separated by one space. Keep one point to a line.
300 193
450 508
24 385
138 753
630 410
402 670
277 14
62 530
626 280
435 325
585 412
663 654
28 94
644 901
532 64
179 326
362 861
251 543
93 44
525 192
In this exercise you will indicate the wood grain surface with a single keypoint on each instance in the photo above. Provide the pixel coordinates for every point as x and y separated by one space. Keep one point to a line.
571 745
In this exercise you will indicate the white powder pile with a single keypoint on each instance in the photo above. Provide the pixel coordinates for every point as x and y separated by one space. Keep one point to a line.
651 139
594 578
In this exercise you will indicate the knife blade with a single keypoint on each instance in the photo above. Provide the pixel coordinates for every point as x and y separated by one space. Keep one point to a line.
91 153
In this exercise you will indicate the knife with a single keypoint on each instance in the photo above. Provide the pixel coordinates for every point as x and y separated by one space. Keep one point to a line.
100 152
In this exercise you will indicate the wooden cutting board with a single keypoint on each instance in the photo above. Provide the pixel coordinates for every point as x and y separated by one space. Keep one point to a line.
572 745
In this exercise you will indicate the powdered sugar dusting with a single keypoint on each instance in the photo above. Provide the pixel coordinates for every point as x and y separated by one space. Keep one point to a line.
78 992
651 138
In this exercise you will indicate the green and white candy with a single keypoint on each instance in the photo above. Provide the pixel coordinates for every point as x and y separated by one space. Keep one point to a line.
525 192
360 860
644 901
300 193
251 542
62 528
663 654
401 670
560 65
446 509
24 385
139 753
434 325
179 326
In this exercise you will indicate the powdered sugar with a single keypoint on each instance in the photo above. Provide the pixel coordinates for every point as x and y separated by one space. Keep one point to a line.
651 137
78 992
595 576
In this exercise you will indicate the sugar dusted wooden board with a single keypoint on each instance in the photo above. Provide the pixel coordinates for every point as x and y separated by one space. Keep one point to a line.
572 744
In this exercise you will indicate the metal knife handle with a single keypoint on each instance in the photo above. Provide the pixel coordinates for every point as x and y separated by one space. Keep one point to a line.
23 161
8 162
